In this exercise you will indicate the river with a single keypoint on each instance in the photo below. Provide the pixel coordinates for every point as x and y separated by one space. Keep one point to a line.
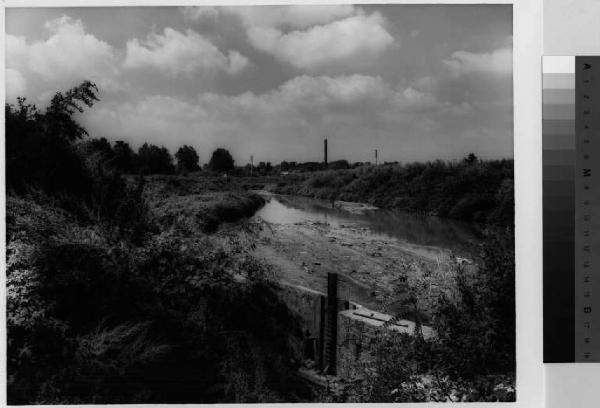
417 230
371 249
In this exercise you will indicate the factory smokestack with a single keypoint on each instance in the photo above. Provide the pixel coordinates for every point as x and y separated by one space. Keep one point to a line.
325 151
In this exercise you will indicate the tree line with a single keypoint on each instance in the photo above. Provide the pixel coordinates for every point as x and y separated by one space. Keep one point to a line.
153 159
48 149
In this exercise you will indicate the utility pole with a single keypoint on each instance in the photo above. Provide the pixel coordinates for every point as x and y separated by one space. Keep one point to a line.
325 151
375 157
251 164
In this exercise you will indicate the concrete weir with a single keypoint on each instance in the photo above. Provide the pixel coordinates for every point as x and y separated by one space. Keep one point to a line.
338 334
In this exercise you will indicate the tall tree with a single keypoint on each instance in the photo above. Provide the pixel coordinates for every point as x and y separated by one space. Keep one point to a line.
221 160
187 159
100 148
59 115
471 158
155 160
124 157
40 146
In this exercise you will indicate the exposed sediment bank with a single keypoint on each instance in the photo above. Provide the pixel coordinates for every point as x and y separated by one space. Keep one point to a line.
374 271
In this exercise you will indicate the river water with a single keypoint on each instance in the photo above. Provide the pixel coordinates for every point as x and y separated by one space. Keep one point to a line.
427 231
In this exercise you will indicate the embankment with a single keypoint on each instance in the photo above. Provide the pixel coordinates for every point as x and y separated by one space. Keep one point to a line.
198 204
479 191
173 319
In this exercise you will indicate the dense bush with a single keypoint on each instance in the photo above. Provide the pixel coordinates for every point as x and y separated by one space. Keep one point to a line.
152 159
480 318
187 159
472 357
94 321
221 160
124 157
195 205
40 146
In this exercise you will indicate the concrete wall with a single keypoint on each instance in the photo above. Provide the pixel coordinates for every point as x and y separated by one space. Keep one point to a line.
310 308
357 333
306 303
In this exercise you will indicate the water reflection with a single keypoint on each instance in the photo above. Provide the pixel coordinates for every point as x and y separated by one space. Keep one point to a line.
415 229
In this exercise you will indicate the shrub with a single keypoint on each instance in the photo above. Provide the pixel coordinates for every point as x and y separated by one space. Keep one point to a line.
221 160
472 357
187 159
477 327
152 159
90 320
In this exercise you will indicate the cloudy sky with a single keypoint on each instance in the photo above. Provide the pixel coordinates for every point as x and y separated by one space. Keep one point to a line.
417 82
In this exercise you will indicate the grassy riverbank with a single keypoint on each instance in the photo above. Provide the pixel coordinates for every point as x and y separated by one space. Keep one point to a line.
192 204
471 190
96 317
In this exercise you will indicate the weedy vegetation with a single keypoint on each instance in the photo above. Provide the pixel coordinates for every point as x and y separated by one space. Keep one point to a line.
112 301
471 190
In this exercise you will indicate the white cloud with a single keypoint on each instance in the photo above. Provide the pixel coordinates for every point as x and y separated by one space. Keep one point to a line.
175 53
309 37
16 85
324 42
416 101
324 90
311 95
68 56
285 119
353 40
496 62
237 62
200 13
292 16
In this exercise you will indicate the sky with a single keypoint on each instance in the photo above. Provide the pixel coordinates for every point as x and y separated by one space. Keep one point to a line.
416 82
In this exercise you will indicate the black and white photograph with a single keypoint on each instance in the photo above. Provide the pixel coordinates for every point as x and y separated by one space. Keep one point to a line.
260 204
